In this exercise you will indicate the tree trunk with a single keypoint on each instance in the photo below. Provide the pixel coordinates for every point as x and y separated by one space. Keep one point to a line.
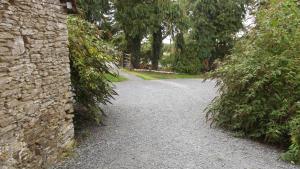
136 52
134 48
179 47
156 48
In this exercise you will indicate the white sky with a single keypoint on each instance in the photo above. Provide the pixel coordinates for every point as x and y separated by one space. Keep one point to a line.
167 40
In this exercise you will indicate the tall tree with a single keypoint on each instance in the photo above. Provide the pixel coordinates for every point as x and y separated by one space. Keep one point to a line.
165 16
156 31
99 12
94 10
133 18
214 25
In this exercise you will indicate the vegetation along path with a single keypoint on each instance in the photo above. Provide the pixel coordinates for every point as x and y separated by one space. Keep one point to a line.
161 124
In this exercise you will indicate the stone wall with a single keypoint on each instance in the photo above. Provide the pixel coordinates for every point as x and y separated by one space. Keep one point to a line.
35 94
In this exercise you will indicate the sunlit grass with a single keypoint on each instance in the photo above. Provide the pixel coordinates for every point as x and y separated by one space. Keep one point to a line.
117 78
157 75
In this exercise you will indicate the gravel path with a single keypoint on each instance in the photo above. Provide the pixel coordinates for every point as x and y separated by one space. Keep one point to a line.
161 124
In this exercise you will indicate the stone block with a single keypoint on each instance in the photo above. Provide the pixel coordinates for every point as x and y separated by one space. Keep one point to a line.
5 80
19 46
6 35
6 120
8 128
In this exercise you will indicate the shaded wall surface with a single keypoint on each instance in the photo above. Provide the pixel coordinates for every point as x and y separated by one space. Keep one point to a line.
35 88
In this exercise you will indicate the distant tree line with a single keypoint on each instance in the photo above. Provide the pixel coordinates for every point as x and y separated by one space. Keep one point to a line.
202 30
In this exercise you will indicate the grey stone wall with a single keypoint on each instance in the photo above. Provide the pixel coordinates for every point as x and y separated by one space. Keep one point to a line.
35 94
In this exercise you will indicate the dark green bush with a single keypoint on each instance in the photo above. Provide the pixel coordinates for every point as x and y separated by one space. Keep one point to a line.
188 64
91 60
187 61
260 82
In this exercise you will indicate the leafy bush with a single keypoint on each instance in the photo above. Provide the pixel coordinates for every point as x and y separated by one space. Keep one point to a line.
167 61
91 62
145 55
187 61
260 82
188 64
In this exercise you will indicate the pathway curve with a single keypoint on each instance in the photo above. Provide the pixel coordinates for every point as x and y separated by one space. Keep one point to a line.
160 124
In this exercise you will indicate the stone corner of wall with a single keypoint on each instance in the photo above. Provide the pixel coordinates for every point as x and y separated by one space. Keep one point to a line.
36 110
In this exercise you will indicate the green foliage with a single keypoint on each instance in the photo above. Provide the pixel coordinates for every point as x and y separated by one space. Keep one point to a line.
212 28
214 24
100 12
139 18
133 18
186 60
188 63
260 82
90 57
167 17
146 54
115 78
168 58
94 10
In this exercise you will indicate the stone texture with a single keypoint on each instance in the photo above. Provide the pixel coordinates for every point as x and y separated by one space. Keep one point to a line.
35 89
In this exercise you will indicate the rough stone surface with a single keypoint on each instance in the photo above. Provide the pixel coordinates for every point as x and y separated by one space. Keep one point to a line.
35 93
161 124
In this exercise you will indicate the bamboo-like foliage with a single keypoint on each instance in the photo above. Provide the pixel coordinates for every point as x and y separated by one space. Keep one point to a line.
260 82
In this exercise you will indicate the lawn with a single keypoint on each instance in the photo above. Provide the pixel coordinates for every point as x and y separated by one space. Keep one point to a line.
156 75
115 78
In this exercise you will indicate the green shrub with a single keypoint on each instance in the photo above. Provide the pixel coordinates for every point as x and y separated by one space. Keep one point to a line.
91 59
189 65
188 62
167 61
260 82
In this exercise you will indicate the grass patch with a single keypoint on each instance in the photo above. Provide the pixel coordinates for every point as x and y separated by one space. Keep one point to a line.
156 75
115 78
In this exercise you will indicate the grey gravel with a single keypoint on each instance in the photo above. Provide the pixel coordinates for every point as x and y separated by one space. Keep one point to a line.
161 124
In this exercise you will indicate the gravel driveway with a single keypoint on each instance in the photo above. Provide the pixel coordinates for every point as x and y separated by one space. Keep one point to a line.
160 124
